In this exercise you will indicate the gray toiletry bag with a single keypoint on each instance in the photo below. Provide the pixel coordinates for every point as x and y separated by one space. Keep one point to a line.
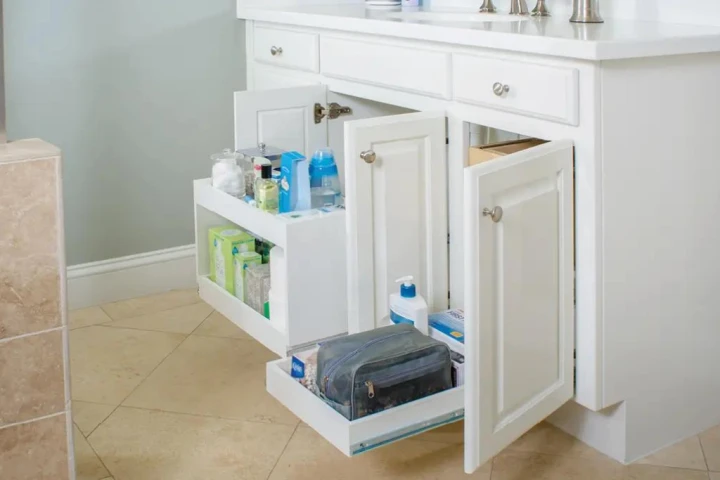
369 372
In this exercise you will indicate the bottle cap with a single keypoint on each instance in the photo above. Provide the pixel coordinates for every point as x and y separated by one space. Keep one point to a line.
267 171
407 289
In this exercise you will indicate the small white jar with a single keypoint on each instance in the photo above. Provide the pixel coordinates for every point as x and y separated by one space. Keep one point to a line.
227 175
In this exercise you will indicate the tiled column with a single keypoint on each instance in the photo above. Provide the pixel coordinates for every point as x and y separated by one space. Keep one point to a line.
35 438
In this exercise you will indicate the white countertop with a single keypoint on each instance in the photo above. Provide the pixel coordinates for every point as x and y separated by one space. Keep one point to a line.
614 39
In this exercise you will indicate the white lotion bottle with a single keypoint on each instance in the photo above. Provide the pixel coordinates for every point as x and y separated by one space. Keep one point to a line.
409 307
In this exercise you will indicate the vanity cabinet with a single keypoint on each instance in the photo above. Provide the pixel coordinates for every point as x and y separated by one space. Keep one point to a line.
517 274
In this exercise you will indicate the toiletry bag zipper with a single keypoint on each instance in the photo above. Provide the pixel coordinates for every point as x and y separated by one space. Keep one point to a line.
382 380
334 366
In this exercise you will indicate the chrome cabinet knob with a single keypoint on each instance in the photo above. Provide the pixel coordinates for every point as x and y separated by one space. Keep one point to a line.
368 156
495 214
499 89
275 51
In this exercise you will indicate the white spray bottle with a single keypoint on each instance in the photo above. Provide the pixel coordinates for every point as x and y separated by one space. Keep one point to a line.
409 307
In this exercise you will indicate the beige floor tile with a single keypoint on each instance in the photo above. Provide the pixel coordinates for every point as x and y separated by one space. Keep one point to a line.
685 454
219 377
177 320
139 444
309 457
653 472
88 316
87 465
452 433
87 416
106 364
714 476
545 438
216 325
151 304
710 441
514 465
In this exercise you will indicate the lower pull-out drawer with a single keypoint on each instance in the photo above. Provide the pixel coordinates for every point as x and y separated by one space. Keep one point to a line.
358 436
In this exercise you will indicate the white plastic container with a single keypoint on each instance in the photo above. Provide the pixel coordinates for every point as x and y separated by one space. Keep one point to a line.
409 307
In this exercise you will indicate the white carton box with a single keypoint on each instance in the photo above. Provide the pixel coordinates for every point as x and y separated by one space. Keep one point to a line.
449 327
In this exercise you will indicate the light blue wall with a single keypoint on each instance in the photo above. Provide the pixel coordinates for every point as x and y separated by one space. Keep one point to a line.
138 94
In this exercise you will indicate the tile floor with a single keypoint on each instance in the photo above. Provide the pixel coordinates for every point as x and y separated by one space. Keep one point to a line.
166 389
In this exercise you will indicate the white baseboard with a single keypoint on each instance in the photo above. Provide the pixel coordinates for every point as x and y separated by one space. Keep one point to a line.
116 279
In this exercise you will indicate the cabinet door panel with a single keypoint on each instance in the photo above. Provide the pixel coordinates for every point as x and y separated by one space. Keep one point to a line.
396 212
519 337
282 118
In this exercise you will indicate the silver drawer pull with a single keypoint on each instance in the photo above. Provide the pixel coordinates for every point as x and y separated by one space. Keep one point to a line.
275 51
499 89
368 156
496 213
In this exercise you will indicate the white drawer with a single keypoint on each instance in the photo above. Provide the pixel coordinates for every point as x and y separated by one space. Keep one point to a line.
286 48
526 88
358 436
403 68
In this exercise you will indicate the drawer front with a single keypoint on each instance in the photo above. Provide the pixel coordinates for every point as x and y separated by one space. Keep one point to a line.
403 68
526 88
286 48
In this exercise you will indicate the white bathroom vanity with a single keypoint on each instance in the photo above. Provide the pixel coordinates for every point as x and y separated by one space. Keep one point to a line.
587 265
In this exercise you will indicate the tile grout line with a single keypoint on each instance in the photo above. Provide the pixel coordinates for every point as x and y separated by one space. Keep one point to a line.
215 417
126 397
97 455
31 334
37 419
101 307
702 449
283 451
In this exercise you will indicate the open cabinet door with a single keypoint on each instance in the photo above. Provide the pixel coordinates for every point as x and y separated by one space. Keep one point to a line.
396 201
283 118
519 325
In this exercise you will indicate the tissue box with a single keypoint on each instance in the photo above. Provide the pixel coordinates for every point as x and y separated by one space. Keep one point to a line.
449 328
241 262
224 243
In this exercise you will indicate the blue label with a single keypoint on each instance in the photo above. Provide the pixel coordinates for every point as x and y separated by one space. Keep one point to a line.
400 319
298 368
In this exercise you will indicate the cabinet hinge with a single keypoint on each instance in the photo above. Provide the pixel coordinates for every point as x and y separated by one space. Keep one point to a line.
448 240
333 111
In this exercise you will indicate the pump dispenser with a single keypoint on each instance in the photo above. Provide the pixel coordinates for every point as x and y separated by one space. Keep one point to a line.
409 307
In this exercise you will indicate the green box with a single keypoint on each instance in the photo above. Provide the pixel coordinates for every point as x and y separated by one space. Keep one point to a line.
224 242
241 261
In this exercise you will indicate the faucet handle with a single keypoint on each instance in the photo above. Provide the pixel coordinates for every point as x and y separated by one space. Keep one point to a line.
518 7
488 7
540 9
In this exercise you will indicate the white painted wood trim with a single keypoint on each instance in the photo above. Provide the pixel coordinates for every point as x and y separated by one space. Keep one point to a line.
121 278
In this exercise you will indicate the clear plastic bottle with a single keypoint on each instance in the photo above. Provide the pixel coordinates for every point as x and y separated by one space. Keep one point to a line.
266 191
227 174
245 162
325 187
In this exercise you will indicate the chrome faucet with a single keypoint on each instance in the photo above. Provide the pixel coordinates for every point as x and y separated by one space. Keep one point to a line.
518 7
586 11
488 7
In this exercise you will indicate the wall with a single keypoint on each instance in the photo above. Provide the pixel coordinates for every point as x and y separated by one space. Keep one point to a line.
35 441
137 94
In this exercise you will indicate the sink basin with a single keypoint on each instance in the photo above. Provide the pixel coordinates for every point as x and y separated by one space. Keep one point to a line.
455 17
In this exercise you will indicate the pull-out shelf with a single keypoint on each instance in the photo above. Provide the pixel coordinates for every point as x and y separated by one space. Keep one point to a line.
367 433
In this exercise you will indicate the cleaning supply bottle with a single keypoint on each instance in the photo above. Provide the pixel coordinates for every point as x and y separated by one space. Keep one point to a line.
324 180
409 307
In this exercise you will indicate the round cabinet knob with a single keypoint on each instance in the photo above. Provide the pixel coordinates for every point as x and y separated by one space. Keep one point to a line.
368 156
499 89
495 214
275 51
